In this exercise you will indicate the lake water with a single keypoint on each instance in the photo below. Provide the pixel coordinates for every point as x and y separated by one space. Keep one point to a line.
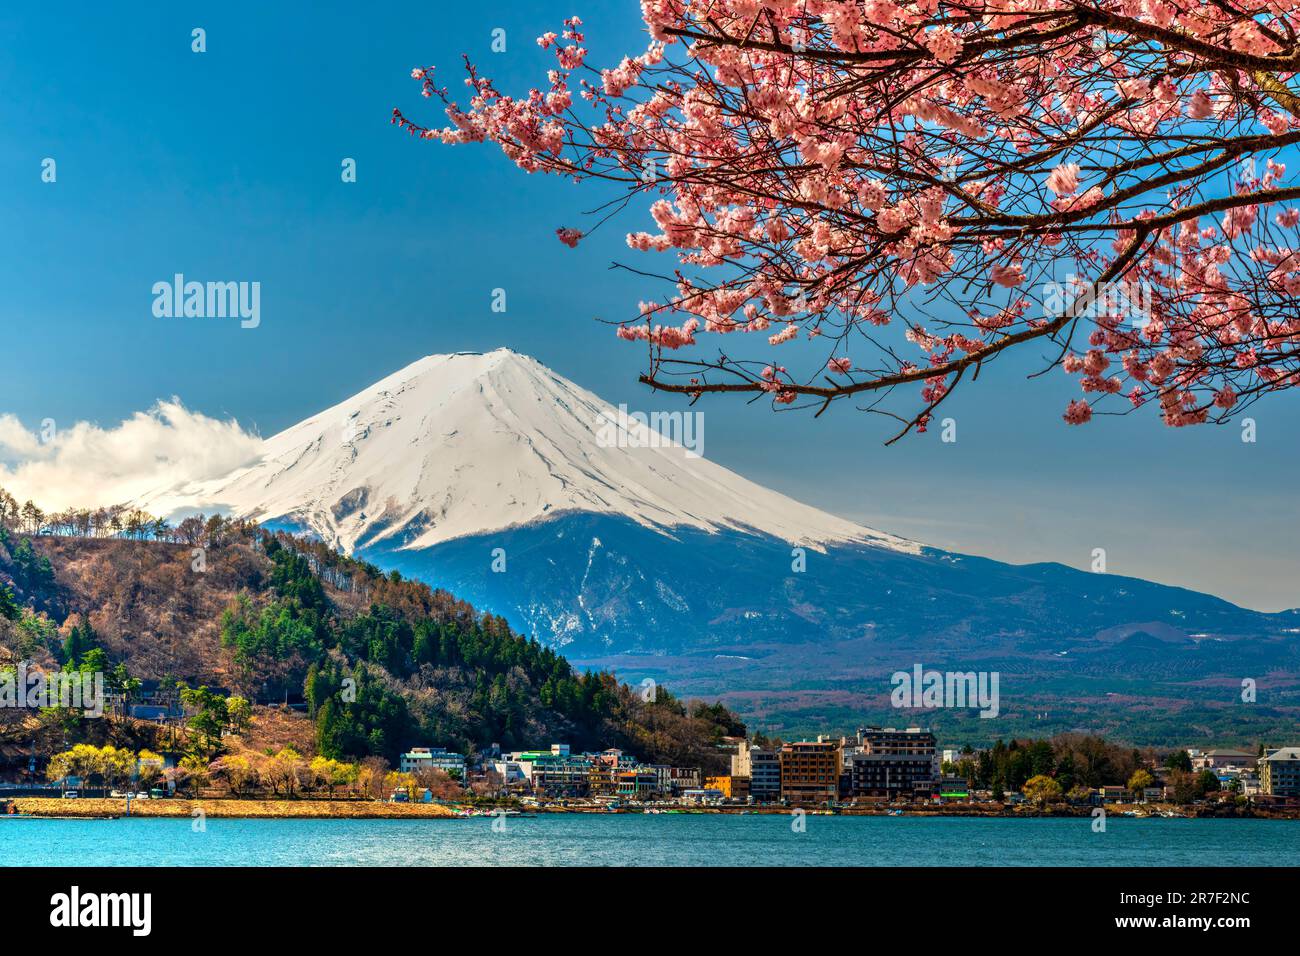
632 840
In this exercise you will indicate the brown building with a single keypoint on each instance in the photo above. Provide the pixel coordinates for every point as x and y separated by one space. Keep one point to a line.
810 772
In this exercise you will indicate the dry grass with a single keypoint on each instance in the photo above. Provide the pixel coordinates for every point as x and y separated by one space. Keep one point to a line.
273 728
343 809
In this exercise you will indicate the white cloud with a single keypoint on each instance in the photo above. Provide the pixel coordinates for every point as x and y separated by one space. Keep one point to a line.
89 466
16 441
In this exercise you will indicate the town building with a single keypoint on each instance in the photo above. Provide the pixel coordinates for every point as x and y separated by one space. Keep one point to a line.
1279 773
150 701
602 780
640 784
511 773
742 760
663 777
613 757
763 768
419 759
765 775
683 778
731 787
1223 759
1250 783
848 747
810 771
555 772
952 788
893 763
955 755
602 777
730 745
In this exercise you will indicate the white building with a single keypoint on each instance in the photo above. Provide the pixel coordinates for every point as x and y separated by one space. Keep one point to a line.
434 758
511 771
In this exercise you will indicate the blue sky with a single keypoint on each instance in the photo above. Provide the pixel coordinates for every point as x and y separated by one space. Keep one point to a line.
226 166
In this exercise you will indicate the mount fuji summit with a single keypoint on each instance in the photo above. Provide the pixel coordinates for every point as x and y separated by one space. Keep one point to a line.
491 476
468 443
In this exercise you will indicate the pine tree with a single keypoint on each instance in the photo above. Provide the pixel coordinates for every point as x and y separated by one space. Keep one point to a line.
80 640
8 606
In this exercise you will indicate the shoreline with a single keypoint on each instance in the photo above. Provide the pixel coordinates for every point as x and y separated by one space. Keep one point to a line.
92 808
173 808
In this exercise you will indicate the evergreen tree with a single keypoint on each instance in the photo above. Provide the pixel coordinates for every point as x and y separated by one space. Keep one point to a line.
79 642
1179 760
9 609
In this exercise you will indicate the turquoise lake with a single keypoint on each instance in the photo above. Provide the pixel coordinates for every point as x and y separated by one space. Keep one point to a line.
663 840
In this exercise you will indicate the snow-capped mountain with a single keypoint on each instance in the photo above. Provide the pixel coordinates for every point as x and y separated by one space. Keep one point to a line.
527 495
468 443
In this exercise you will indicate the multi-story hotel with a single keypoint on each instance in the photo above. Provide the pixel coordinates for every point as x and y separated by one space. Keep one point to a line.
602 778
683 778
810 771
762 767
1279 773
636 784
418 759
893 763
555 771
765 775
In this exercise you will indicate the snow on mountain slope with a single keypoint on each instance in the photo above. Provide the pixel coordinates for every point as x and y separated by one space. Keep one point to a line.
460 444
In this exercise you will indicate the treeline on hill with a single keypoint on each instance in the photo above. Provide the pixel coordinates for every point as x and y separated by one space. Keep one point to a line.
416 664
1069 760
383 663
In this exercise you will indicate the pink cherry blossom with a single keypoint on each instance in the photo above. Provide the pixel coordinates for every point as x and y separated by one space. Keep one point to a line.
945 44
1198 107
1008 276
1064 179
1078 412
830 168
569 237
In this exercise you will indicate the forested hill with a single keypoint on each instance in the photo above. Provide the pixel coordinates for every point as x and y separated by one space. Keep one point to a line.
383 663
